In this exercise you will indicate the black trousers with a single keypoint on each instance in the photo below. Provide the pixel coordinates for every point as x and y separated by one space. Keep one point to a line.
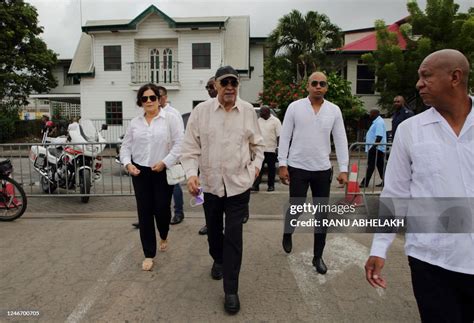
320 183
270 160
153 195
442 295
375 157
225 241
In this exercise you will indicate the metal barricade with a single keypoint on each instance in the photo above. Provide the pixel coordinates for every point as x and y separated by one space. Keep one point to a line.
107 176
371 164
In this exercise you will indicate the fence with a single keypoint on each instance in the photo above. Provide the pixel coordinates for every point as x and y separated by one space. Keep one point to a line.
371 164
112 180
108 176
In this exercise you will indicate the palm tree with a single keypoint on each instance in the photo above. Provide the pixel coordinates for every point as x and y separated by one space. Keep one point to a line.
304 40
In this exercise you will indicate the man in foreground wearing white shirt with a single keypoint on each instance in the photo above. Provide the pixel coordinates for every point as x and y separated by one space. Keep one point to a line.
432 157
303 154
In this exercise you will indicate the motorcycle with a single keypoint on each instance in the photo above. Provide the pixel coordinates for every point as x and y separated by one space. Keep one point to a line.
65 162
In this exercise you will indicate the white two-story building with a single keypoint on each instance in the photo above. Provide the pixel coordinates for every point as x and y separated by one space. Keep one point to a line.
115 57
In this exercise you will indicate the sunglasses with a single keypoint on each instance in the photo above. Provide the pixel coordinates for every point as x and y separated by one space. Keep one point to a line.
321 83
233 82
152 98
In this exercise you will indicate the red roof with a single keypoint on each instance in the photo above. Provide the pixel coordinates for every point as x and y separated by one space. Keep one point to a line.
369 42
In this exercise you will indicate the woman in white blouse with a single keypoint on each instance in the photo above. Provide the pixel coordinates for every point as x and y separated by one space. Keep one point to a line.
151 144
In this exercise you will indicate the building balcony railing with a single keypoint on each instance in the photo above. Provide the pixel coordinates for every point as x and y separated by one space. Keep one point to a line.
146 72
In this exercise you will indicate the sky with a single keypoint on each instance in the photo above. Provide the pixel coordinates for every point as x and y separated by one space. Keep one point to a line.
62 23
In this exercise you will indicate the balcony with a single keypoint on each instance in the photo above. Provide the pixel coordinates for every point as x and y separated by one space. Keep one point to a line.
166 74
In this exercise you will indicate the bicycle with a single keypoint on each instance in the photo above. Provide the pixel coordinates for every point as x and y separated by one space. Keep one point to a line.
12 195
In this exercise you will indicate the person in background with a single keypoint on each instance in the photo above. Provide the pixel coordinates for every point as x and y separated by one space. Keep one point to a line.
401 113
151 144
377 133
270 127
74 125
211 90
432 157
223 141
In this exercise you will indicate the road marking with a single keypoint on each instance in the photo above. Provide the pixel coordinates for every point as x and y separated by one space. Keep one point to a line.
93 293
340 253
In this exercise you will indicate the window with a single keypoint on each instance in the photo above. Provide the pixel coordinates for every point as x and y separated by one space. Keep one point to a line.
365 79
112 58
202 55
70 80
113 112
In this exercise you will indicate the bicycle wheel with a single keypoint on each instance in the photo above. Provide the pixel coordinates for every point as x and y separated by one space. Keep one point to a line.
12 199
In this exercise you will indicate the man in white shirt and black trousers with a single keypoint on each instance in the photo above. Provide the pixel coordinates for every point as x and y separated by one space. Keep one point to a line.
433 157
270 127
303 155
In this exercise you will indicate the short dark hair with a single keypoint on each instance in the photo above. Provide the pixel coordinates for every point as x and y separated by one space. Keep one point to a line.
163 90
149 86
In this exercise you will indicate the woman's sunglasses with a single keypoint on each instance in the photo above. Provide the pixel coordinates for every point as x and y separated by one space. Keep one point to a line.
152 98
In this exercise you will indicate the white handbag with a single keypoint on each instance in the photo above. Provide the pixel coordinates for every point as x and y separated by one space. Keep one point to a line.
174 174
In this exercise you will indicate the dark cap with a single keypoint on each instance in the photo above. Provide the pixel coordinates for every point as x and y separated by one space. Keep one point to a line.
226 71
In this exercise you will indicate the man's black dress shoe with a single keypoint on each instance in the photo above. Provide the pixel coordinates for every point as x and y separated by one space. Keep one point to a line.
136 225
320 265
255 189
177 218
216 271
287 243
270 189
245 219
232 303
203 230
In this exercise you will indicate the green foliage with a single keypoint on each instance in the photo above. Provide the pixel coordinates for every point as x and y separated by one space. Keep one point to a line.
8 117
303 41
26 62
281 94
339 93
439 27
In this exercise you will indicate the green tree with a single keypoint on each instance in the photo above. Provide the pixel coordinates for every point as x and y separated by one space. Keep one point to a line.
26 62
440 26
303 41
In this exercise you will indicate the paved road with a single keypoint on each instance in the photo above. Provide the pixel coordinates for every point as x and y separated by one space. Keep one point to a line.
74 262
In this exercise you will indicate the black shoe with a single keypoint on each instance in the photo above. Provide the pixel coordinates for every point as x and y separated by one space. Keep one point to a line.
203 230
178 218
270 189
320 265
216 271
287 243
136 225
245 219
232 303
255 189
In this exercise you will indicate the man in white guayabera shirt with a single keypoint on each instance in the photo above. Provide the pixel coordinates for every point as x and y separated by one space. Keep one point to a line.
303 156
433 157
